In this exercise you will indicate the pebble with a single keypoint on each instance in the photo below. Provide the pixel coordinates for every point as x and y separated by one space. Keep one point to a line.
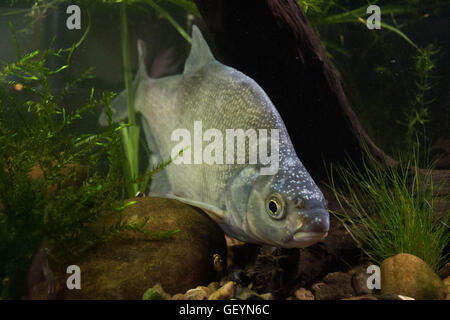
335 285
156 293
226 292
363 297
303 294
267 296
213 286
199 293
359 282
178 296
445 271
447 284
380 297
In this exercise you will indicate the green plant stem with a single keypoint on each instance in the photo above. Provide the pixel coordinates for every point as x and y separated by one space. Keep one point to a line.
127 64
163 13
130 135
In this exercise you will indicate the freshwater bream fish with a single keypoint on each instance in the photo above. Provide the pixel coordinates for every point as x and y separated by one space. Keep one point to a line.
285 209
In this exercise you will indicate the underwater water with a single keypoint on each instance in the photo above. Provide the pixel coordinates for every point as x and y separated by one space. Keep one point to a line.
274 157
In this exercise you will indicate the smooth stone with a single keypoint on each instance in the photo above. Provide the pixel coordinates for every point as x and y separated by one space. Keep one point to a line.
126 266
178 296
379 297
335 285
407 275
447 284
445 271
303 294
359 282
199 293
267 296
363 297
213 286
226 292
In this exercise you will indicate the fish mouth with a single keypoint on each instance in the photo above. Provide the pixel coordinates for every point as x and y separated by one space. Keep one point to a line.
303 239
312 225
306 236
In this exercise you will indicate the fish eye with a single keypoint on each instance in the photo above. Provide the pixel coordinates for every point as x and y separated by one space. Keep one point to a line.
275 206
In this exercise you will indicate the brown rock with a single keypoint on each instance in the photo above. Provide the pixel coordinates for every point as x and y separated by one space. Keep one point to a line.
178 296
441 190
303 294
393 296
447 284
317 286
407 275
226 292
213 286
445 271
127 265
336 285
337 277
207 290
441 149
364 297
267 296
199 293
379 297
359 282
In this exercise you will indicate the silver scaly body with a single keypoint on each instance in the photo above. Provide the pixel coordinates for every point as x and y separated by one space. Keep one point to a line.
236 196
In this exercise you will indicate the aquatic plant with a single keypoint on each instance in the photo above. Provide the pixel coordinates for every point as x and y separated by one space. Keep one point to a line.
379 52
130 134
391 209
417 116
336 12
55 186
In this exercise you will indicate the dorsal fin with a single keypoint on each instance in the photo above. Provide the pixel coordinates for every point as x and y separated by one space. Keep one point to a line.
200 53
142 54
